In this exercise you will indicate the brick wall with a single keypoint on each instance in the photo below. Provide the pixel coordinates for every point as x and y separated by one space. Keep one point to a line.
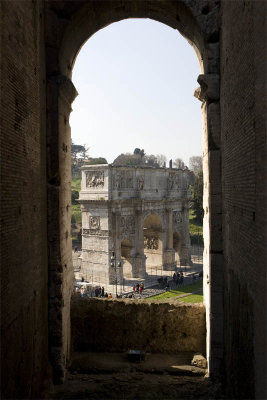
243 91
23 204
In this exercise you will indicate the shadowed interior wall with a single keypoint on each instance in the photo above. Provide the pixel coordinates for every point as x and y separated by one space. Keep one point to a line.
243 117
119 325
24 322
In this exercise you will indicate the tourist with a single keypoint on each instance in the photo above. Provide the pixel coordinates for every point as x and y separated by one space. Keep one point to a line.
110 296
142 286
102 291
134 288
137 287
140 289
96 292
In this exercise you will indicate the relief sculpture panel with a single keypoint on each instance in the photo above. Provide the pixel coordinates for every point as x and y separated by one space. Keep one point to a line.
151 243
174 182
140 183
127 225
123 180
94 179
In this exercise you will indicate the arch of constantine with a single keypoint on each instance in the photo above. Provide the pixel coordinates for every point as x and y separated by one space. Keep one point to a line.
140 213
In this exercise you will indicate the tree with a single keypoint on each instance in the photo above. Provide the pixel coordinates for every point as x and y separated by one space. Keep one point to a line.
74 196
178 163
151 160
195 163
95 161
197 197
84 152
79 149
161 160
76 149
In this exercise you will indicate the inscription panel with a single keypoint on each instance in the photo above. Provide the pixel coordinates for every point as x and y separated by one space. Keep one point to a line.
96 232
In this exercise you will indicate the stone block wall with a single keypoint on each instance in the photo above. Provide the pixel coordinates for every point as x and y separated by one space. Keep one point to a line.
243 135
103 325
24 280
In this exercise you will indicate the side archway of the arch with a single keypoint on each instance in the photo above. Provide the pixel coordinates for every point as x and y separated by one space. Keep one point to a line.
127 257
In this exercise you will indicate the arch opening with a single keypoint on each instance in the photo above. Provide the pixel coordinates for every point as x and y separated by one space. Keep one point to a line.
126 256
152 229
84 22
177 247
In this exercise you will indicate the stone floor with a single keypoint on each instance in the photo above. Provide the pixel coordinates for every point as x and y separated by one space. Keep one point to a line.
112 376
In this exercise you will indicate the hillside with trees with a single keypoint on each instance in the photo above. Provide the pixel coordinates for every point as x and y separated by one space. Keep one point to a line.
196 204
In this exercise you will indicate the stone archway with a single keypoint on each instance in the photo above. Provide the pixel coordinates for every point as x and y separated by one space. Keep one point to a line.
75 22
152 229
126 256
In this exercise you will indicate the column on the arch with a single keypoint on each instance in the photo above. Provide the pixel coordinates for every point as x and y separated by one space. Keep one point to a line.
139 260
170 230
168 256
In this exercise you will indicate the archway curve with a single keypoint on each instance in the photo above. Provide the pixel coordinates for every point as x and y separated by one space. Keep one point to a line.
67 25
152 219
176 15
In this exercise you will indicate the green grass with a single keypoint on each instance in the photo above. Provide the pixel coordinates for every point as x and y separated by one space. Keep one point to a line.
177 292
193 298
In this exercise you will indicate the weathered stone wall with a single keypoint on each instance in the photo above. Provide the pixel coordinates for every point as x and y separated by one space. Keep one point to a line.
243 117
119 325
24 322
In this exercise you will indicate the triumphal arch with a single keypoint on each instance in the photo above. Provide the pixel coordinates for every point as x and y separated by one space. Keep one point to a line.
139 213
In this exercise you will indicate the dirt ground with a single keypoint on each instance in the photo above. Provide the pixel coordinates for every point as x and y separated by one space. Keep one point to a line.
112 377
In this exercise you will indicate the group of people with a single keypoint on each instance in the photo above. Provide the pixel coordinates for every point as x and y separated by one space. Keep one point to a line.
100 292
138 288
178 278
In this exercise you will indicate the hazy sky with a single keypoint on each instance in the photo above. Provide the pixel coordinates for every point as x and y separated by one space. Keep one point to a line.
136 80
